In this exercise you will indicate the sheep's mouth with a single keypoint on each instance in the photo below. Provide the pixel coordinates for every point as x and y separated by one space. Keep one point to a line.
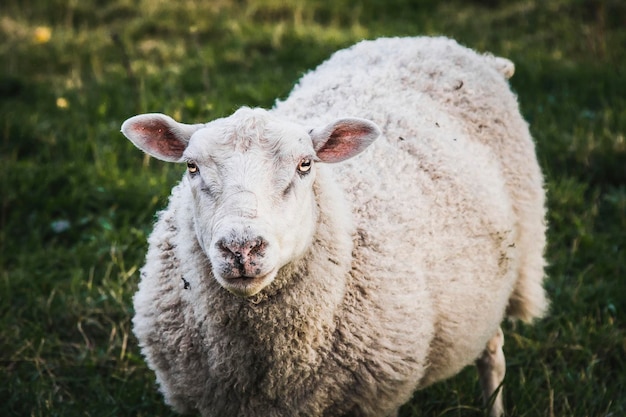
244 280
246 286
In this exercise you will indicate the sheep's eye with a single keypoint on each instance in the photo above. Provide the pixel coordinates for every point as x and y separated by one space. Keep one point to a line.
305 166
192 168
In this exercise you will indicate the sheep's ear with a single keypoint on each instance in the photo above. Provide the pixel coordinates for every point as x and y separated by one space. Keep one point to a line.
343 139
159 135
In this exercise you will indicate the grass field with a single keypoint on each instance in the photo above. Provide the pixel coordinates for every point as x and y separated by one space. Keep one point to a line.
78 200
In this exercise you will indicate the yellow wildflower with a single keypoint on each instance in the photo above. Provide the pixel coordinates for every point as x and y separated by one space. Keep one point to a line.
42 34
62 103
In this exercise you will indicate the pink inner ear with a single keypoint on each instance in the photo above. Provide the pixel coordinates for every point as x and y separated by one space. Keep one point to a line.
344 142
157 137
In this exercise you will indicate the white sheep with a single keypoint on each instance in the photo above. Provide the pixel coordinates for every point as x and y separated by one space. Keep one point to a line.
280 282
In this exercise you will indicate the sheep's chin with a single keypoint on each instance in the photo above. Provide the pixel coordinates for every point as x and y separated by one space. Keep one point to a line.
247 286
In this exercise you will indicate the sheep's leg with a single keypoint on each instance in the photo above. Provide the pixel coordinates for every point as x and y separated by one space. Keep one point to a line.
491 369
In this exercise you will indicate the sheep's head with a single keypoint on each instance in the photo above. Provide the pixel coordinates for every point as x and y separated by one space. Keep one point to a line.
251 177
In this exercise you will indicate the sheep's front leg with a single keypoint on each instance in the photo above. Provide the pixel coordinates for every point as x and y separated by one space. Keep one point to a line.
491 369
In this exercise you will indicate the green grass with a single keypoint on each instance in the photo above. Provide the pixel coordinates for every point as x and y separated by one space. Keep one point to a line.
78 200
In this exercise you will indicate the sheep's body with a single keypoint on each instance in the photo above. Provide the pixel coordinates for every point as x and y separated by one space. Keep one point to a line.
421 246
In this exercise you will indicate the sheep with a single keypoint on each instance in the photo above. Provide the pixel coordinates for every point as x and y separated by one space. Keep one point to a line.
362 239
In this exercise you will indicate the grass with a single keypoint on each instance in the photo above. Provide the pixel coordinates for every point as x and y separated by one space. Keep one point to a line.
78 200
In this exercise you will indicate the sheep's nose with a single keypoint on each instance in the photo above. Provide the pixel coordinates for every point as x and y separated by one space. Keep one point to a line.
243 254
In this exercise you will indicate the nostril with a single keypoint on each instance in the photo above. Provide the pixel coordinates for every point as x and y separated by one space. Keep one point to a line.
257 245
223 247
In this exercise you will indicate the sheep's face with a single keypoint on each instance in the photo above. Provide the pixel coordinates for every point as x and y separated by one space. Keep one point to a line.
254 209
251 180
